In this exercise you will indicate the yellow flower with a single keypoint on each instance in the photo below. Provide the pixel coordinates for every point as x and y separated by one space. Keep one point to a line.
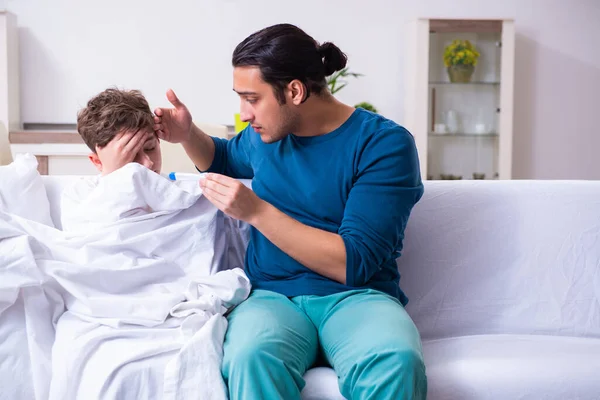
460 52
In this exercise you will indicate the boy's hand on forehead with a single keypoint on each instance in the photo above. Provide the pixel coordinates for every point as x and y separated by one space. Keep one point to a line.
121 150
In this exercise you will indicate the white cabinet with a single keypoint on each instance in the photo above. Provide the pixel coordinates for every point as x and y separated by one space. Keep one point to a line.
463 125
57 158
9 82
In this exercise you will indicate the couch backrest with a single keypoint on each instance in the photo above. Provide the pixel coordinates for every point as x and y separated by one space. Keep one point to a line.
494 257
55 184
504 257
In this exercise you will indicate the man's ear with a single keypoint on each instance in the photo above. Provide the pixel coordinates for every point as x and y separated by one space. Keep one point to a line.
297 92
96 161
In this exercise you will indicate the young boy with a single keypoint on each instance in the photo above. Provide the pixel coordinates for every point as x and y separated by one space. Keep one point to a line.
117 125
149 268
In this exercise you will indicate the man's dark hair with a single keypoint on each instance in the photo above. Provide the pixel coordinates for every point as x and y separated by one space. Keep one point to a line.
111 112
284 52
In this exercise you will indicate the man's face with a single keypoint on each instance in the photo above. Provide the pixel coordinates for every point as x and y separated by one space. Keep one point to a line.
259 106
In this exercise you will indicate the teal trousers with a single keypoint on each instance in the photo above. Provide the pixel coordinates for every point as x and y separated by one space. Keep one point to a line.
366 336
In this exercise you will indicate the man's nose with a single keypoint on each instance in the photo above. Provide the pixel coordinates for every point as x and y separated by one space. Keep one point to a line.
245 117
245 114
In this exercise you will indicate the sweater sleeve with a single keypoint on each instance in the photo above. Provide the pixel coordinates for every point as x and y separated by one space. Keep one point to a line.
232 157
387 185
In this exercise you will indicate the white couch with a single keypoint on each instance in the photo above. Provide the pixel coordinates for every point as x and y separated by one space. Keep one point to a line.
503 279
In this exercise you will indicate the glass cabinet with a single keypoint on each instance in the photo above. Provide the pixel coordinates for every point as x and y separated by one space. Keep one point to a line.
459 96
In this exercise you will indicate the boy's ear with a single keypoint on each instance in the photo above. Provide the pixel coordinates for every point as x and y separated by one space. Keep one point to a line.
96 161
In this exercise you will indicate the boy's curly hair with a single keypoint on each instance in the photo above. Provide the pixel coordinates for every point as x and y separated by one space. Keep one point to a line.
111 112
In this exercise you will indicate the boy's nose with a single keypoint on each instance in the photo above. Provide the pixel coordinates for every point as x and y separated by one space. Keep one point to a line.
144 160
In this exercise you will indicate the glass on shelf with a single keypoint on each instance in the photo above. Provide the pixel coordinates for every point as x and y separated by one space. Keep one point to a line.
452 177
483 83
465 134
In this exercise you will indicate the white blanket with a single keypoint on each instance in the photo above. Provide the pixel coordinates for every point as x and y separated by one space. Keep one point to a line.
30 305
146 275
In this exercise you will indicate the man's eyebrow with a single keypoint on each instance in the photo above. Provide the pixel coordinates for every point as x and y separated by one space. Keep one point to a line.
245 93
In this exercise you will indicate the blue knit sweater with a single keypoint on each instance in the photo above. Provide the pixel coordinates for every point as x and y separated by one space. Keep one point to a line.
360 181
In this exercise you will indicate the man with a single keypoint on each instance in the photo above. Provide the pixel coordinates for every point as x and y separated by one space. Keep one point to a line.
333 188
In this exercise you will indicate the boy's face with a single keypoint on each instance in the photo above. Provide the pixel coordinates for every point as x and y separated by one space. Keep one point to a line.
118 152
150 155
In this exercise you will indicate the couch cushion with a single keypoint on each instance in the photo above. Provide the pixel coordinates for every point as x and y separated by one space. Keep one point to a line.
513 367
22 191
321 384
496 257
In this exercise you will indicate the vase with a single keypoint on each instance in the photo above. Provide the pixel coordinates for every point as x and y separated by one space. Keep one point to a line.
460 73
452 121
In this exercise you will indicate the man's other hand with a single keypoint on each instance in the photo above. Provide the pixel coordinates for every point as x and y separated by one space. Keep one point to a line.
173 124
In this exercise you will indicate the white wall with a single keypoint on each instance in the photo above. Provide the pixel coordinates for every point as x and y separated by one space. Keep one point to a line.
71 49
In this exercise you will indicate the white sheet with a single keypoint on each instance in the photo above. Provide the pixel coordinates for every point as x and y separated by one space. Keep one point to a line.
29 307
146 276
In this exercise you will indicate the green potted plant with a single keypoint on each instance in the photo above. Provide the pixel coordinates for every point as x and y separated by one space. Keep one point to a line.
337 82
366 106
460 59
